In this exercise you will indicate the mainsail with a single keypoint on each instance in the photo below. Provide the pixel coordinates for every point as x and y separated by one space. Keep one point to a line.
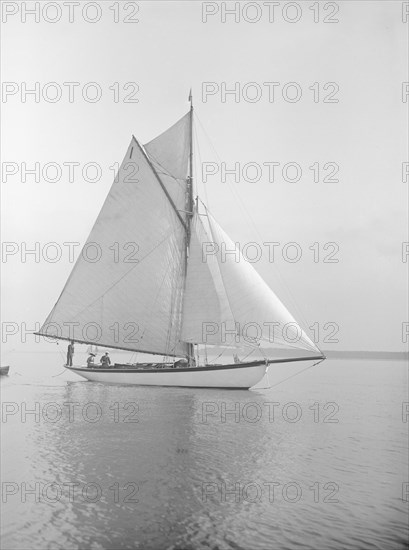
145 280
129 296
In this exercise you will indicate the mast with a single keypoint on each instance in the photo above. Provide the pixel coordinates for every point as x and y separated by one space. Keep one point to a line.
189 208
190 181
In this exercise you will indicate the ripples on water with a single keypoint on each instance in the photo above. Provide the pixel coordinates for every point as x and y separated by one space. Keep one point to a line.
177 462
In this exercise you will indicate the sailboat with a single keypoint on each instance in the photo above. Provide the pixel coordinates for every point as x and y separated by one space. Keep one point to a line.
165 297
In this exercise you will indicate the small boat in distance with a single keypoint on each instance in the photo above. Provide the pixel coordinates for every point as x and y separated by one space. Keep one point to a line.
151 278
4 370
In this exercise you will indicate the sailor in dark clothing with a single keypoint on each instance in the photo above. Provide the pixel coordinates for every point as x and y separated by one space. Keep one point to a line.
70 353
105 360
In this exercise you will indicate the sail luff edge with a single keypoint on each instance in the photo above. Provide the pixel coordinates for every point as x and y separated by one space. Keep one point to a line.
160 182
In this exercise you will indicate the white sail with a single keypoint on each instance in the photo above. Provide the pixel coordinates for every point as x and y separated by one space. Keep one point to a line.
129 288
237 300
131 297
205 300
169 154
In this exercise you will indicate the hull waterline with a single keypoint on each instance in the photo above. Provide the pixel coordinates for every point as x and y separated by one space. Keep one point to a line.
238 376
223 377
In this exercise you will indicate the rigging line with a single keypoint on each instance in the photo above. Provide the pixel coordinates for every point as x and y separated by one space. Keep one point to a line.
222 277
122 348
166 172
262 352
216 358
226 293
168 348
283 342
293 375
77 263
160 182
252 351
59 374
154 302
125 274
247 213
176 306
201 164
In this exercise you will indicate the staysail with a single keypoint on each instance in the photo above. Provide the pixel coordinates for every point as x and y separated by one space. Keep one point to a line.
125 290
205 300
227 303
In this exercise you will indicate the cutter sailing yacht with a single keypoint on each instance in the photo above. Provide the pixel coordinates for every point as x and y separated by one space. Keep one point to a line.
166 297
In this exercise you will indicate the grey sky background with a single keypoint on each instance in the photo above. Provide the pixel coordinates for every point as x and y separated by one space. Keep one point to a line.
166 53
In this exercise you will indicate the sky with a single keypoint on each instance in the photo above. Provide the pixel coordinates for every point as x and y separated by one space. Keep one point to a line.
350 119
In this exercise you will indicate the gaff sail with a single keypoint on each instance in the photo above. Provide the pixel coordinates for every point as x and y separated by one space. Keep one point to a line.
132 301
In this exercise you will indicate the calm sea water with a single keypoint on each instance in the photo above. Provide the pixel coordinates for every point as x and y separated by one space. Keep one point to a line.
319 461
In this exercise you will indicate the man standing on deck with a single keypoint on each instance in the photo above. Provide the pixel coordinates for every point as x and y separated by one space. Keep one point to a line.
70 353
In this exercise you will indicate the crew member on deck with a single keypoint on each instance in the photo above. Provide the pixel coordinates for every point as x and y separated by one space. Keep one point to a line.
105 360
70 353
90 360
